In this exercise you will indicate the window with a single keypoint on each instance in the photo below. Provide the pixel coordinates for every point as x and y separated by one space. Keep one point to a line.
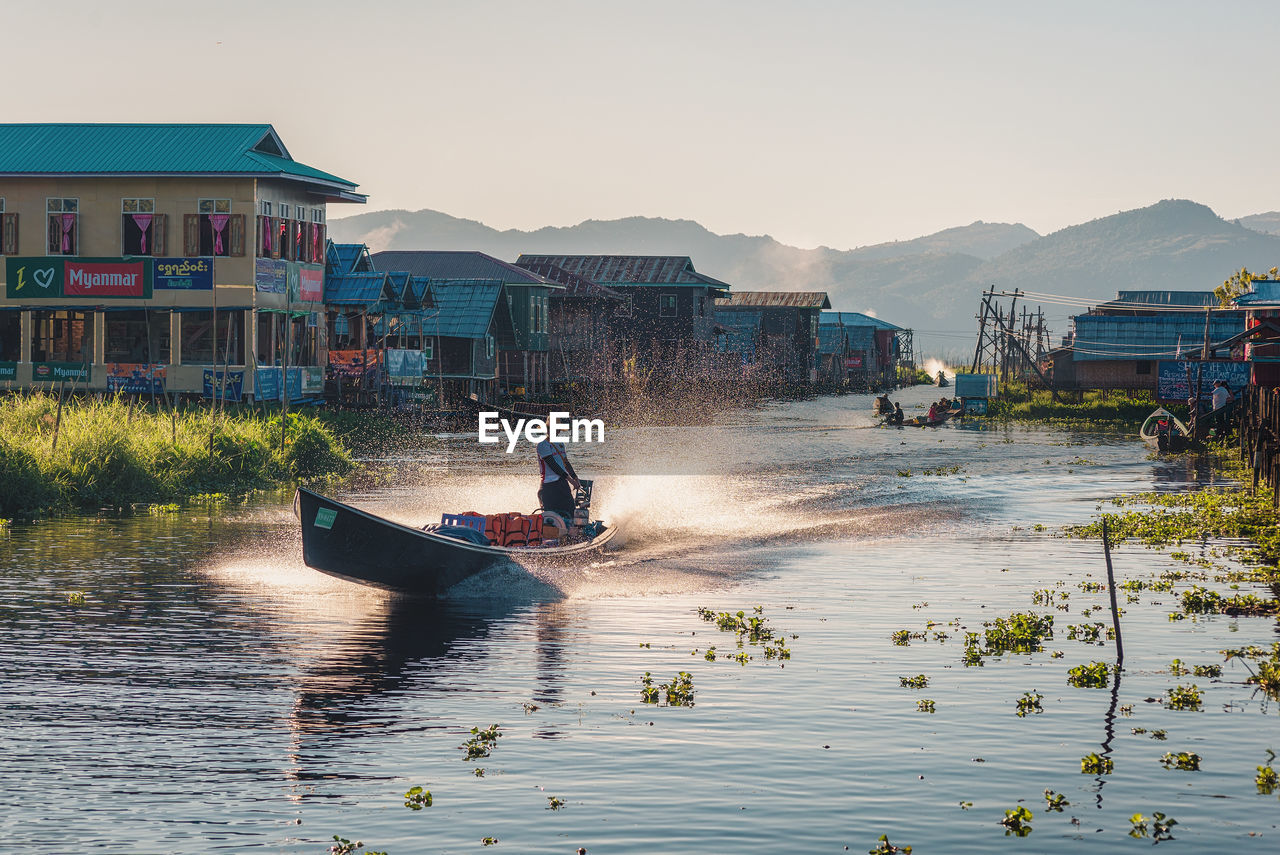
317 215
64 226
10 336
285 211
264 209
8 231
488 347
137 336
428 348
215 239
667 306
204 343
62 336
138 227
1143 367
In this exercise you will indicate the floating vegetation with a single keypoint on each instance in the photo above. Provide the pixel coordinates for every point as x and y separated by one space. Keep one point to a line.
919 681
416 798
942 470
75 598
1139 823
884 847
648 693
753 629
481 741
925 705
678 693
710 655
903 637
1042 597
904 473
1160 825
1094 764
1184 760
158 510
1091 676
554 803
1055 801
1184 698
343 846
972 655
1092 587
1017 822
1030 703
1177 668
1266 780
1094 633
1207 671
1160 735
1267 675
488 841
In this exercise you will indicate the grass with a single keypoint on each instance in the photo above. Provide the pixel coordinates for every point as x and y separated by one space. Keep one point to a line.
111 454
1018 403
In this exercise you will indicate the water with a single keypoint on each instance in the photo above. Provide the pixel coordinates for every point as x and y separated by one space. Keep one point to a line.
212 694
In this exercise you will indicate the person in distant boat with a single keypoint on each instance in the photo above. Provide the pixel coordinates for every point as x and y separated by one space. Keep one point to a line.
933 412
558 479
896 417
883 405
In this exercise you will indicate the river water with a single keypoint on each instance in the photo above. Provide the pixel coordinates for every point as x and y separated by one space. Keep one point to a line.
212 694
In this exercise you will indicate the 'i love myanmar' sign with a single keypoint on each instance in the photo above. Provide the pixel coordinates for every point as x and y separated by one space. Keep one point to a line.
90 278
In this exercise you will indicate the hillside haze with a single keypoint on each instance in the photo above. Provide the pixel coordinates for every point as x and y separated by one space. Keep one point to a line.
931 284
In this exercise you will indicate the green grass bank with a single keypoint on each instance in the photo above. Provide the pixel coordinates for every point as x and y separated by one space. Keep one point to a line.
111 454
1018 403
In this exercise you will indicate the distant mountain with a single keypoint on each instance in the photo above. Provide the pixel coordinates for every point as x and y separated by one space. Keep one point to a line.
930 283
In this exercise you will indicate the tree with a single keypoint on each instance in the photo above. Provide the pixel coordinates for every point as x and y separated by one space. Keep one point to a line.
1239 284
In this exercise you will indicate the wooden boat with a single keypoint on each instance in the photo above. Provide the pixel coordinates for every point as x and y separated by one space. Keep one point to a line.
942 380
1163 431
352 544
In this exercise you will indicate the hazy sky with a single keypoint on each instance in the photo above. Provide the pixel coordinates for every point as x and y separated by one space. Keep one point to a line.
836 123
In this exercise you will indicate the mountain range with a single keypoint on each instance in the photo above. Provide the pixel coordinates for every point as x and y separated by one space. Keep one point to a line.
931 284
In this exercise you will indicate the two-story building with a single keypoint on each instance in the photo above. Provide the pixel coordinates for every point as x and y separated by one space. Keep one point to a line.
146 256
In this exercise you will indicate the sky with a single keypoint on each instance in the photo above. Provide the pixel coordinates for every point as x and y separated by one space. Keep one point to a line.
837 123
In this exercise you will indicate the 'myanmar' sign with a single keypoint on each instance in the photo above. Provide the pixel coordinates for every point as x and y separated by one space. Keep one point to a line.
91 278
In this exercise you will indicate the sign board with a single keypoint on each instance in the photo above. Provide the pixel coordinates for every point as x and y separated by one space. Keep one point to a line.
311 283
312 380
266 383
8 370
976 386
325 517
229 384
183 274
1172 385
270 275
136 378
853 362
975 406
90 278
351 363
54 371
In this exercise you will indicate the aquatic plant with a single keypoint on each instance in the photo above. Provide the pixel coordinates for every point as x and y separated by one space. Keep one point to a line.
648 694
75 598
920 681
1029 703
680 690
343 846
488 841
158 510
530 708
925 705
710 655
1184 698
1017 822
1055 801
972 656
1184 760
1139 823
416 798
1207 671
1161 826
942 470
1020 632
481 741
1267 780
1177 669
1091 676
1094 764
554 803
1198 600
1090 632
884 847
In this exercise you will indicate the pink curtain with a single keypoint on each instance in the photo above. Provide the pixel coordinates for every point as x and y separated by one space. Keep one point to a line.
219 222
68 225
143 221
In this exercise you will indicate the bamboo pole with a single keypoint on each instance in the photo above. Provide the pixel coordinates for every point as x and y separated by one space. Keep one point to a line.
1111 589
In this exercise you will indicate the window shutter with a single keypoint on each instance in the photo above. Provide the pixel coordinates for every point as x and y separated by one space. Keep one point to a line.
190 235
275 237
308 231
9 246
237 235
321 246
160 234
257 240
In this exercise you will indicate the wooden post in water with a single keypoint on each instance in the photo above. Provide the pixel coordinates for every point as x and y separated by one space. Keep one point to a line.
1111 588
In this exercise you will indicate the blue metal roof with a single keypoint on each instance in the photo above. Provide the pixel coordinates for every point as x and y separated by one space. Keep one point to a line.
854 319
155 149
357 289
618 271
446 264
1099 337
344 258
1265 292
462 309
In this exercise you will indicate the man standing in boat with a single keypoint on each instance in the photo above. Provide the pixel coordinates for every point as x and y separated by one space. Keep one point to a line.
558 479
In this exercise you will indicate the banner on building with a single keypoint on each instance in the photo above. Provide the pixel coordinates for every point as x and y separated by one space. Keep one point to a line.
183 274
1176 378
29 278
52 372
853 362
136 378
404 366
8 371
270 275
266 383
311 277
227 384
351 363
312 380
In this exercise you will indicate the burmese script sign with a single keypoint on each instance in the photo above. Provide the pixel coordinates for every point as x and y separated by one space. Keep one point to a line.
91 278
184 274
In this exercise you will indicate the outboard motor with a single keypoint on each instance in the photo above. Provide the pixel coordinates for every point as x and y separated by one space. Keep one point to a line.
582 505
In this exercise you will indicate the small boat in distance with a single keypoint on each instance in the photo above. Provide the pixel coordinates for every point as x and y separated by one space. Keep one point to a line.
1164 432
352 544
942 380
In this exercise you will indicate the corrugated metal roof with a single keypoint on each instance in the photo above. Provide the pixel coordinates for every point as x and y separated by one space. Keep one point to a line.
446 264
1167 298
622 270
854 319
1265 292
1099 337
775 300
574 285
357 289
151 149
463 309
344 258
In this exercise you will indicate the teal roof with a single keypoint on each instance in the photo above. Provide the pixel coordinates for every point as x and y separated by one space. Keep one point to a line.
161 149
463 309
854 319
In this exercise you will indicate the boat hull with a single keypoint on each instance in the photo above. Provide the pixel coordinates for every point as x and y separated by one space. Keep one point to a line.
352 544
